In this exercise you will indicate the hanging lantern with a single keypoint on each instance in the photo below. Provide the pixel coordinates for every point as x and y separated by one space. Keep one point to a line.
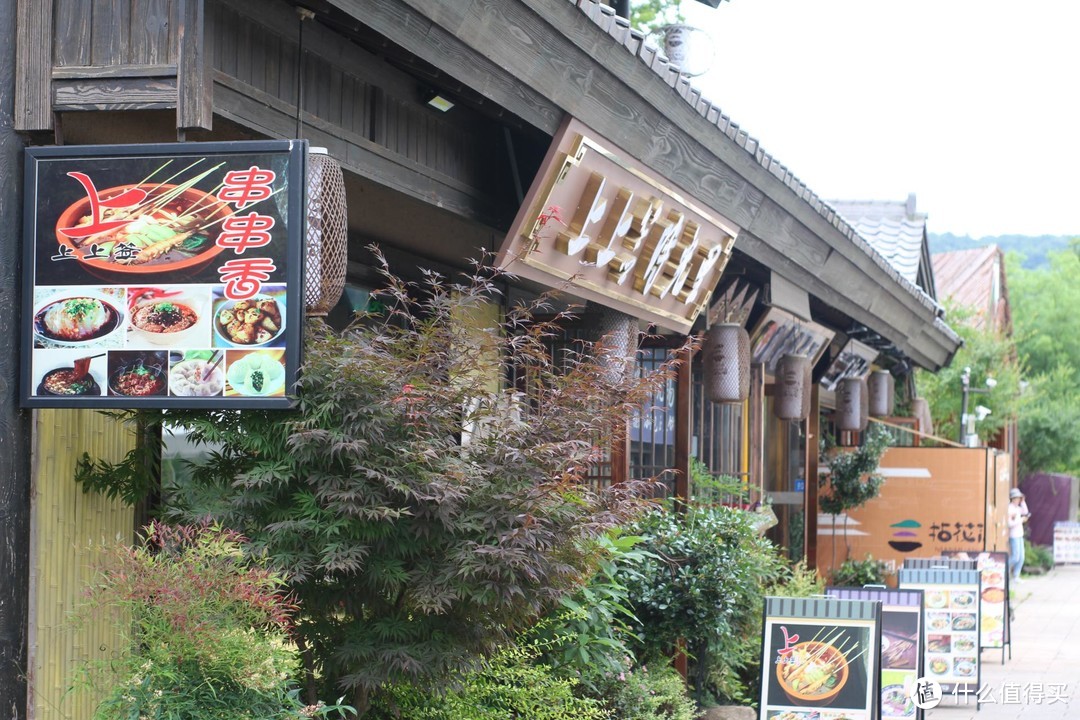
791 400
726 363
852 405
920 410
882 390
327 244
619 333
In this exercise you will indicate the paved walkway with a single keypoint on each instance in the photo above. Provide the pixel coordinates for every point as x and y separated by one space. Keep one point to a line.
1041 681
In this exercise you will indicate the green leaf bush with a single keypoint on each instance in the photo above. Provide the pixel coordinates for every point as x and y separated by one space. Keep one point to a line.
209 632
704 583
421 518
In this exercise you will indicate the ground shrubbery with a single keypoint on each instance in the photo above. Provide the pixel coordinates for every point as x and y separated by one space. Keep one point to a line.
444 543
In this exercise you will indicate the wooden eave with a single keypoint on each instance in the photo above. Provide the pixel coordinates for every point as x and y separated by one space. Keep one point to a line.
568 64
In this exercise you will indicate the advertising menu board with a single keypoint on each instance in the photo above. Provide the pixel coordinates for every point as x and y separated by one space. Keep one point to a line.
951 619
993 570
820 659
163 276
1066 542
901 645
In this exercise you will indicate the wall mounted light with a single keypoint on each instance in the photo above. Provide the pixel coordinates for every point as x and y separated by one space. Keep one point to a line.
437 100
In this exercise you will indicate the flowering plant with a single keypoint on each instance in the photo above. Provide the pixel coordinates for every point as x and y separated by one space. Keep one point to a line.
209 632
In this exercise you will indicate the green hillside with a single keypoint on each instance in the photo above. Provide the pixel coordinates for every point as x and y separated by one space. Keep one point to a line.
1033 249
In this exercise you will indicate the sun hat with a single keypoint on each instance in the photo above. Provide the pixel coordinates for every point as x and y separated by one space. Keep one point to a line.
1015 493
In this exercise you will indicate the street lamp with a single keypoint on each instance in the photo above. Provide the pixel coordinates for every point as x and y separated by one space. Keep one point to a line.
981 412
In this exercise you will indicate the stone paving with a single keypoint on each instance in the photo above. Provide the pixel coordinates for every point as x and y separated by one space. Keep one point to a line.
1041 681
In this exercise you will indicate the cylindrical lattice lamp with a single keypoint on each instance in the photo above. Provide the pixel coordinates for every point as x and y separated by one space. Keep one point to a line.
726 363
882 390
852 405
326 247
791 400
619 334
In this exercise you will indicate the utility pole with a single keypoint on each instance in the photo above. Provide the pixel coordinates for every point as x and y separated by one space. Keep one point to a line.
14 423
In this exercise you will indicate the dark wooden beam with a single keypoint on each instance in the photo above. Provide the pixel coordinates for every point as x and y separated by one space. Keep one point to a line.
195 100
684 408
813 461
274 118
114 94
14 423
756 422
33 35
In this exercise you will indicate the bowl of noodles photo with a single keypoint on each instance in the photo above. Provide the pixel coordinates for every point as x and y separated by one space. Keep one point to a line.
169 319
155 228
77 320
814 673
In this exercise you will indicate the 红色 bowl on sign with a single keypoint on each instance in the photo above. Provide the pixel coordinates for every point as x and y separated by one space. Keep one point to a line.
164 235
814 674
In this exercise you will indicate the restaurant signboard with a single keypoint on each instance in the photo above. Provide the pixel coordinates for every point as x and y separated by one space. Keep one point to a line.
901 645
821 658
994 624
163 276
600 225
951 619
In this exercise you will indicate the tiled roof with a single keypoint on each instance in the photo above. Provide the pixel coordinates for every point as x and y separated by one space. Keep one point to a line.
890 229
967 278
619 28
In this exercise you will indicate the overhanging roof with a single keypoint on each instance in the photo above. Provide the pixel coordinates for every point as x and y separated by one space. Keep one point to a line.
576 57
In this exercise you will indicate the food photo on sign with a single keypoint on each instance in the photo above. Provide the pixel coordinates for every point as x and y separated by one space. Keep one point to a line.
815 665
172 260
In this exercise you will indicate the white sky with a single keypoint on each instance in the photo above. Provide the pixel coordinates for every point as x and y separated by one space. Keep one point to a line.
973 105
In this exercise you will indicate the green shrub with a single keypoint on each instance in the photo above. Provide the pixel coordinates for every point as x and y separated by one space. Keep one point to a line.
648 692
856 573
209 632
703 583
512 684
1037 556
421 518
591 630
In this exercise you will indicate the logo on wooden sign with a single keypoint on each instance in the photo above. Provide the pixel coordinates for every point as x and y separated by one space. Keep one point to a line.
602 224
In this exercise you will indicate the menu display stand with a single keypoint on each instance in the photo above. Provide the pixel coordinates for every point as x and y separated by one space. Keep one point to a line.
902 642
821 657
951 621
1066 542
995 606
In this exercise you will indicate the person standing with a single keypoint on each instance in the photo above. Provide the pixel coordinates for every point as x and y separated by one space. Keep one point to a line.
1017 516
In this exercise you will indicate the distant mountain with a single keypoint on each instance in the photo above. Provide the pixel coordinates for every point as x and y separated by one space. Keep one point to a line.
1035 250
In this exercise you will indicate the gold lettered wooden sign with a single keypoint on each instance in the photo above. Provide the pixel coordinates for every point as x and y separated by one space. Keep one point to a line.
600 224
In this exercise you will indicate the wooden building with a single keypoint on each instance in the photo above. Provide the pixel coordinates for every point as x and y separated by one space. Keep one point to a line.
436 186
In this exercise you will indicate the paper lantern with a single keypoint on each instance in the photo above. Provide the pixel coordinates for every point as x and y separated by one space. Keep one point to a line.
726 363
326 247
852 405
791 398
882 390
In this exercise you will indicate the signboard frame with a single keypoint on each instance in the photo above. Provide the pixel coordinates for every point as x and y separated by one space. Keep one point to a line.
853 625
993 567
51 193
897 608
949 608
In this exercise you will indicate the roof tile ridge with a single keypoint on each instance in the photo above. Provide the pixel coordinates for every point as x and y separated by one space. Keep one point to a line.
673 75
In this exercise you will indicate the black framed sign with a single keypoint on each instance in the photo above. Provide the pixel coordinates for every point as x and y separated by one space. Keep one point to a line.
951 603
163 276
901 645
821 658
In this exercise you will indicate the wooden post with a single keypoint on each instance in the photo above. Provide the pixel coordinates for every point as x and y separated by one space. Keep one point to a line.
14 424
810 498
683 418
